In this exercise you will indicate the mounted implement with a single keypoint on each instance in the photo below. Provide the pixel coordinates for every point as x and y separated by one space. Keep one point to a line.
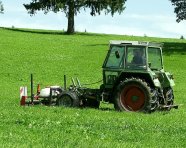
133 80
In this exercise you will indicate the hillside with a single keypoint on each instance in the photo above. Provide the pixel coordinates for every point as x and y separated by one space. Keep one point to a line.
51 54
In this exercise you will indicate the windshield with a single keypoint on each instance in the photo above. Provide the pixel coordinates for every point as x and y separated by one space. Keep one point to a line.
154 58
115 58
135 57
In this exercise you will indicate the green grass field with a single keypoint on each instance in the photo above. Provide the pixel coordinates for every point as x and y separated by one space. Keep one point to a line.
51 54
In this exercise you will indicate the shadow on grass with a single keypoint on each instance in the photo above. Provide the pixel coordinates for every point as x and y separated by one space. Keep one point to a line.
168 47
36 31
174 48
51 32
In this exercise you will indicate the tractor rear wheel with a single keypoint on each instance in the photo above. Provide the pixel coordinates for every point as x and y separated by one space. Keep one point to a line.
135 95
68 99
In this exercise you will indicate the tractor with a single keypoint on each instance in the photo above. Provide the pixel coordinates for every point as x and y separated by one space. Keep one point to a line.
133 80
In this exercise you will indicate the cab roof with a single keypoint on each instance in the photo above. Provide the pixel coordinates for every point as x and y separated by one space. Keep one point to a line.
138 43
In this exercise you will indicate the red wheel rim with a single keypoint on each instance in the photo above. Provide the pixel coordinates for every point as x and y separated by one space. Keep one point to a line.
132 98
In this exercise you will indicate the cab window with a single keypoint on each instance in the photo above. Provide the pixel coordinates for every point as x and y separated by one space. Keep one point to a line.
115 58
154 58
135 57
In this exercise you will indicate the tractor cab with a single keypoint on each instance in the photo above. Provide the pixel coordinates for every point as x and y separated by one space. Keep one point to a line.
133 58
134 78
134 55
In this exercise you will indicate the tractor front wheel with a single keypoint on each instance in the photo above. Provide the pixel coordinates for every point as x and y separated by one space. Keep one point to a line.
169 98
134 95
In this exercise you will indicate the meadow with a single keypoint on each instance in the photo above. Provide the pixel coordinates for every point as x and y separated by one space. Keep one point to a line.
48 55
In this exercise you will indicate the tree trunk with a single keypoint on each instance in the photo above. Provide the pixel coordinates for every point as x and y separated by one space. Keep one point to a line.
70 29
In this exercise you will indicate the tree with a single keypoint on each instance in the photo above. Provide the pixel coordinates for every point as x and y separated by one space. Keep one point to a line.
72 7
1 7
182 37
180 9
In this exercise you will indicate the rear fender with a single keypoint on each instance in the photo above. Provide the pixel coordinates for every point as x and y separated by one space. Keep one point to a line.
144 76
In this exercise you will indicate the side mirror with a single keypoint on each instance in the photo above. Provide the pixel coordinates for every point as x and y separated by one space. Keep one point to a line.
117 54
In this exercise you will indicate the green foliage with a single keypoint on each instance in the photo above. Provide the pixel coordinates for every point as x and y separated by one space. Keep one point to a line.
1 7
180 9
72 7
109 6
51 54
182 37
63 5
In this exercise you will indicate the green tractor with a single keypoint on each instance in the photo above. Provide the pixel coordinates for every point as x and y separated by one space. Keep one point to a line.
134 78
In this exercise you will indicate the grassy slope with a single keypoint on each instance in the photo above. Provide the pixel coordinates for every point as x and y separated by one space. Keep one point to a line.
50 55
